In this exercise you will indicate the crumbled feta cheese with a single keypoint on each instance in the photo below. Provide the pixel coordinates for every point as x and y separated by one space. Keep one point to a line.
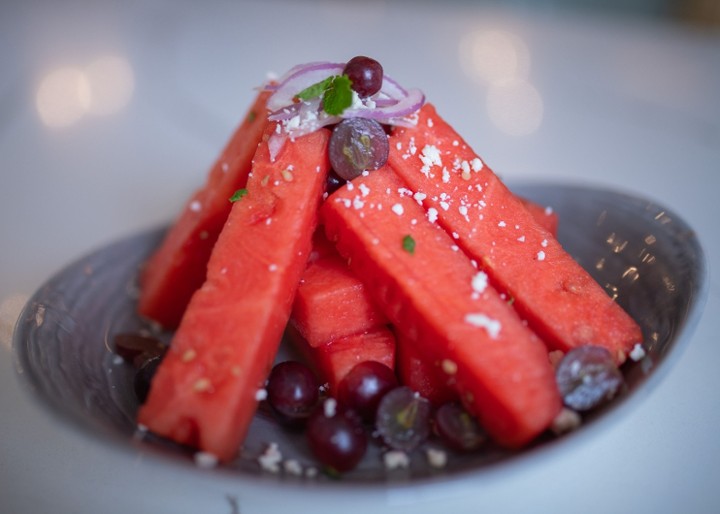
364 190
501 224
398 209
205 460
492 326
436 458
395 459
419 197
541 255
521 239
271 458
260 394
272 267
479 282
430 156
195 206
638 352
293 467
544 243
476 164
566 421
432 214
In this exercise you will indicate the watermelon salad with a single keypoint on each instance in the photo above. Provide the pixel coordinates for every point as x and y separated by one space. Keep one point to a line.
427 300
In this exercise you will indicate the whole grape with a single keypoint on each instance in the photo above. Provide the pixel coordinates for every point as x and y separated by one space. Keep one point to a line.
336 437
364 386
366 75
292 390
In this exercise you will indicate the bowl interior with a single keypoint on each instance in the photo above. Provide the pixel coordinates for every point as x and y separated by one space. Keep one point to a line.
641 253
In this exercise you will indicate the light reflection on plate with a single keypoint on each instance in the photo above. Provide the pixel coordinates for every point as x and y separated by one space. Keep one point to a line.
640 252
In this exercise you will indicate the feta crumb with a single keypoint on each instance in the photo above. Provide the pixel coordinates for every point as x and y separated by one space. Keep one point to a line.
566 421
436 458
272 267
419 197
544 243
432 214
476 164
117 360
638 352
541 255
492 326
501 224
479 282
271 458
205 460
261 394
195 206
430 156
293 467
398 209
521 239
444 205
364 190
396 459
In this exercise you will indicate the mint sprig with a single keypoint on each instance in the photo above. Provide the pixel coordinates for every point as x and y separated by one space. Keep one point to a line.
336 93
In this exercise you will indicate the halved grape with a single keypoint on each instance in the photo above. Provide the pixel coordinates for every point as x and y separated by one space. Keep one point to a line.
292 390
357 145
403 419
458 428
336 437
366 75
587 376
364 386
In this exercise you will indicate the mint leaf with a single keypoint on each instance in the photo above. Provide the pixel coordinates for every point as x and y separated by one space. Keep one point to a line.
408 244
238 194
316 90
338 96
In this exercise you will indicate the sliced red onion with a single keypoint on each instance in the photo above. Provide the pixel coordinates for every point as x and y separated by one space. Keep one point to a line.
392 89
303 78
404 107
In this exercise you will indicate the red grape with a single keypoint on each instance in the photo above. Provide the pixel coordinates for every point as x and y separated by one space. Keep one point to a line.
292 390
366 75
364 386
